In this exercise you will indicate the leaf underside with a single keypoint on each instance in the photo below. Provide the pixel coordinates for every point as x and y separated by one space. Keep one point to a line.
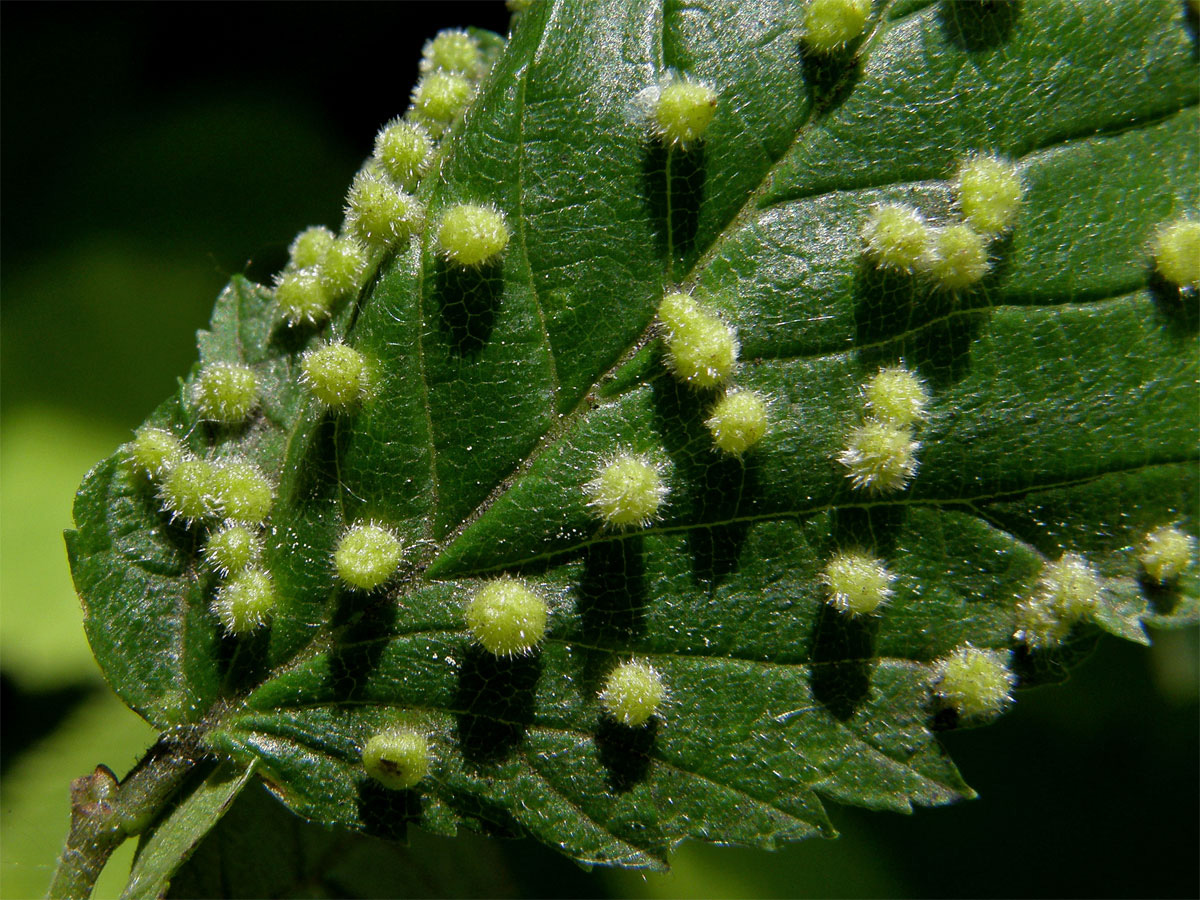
1063 419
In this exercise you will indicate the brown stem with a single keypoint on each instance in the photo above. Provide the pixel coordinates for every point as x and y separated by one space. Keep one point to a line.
104 813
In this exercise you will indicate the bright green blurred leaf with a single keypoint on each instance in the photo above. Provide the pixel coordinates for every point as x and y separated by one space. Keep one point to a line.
43 453
36 799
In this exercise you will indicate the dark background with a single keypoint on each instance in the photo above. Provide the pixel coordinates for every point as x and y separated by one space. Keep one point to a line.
152 150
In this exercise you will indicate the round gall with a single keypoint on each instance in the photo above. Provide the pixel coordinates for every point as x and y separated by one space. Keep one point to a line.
633 693
367 555
627 491
506 618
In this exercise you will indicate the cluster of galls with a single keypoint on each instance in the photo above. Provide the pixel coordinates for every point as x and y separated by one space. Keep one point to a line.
382 210
228 495
701 352
977 682
628 489
233 497
505 616
953 256
880 457
881 453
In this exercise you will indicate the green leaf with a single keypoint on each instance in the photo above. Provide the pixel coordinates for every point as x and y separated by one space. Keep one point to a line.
174 839
43 455
1062 420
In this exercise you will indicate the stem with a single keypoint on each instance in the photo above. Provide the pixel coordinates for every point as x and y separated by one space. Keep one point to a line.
104 813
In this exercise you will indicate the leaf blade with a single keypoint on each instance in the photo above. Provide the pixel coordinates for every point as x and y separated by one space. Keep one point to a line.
1065 375
173 840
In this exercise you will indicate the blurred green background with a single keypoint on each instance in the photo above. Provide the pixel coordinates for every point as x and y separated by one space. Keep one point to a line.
151 151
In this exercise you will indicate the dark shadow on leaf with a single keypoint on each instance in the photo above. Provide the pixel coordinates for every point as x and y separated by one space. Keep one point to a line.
345 607
612 591
625 752
978 24
486 816
942 349
899 317
886 304
467 299
362 622
1179 307
713 488
674 181
364 614
367 290
716 550
318 476
217 433
944 717
1163 598
243 659
387 813
842 657
727 487
1000 257
495 695
870 527
188 538
612 604
829 78
679 417
290 339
